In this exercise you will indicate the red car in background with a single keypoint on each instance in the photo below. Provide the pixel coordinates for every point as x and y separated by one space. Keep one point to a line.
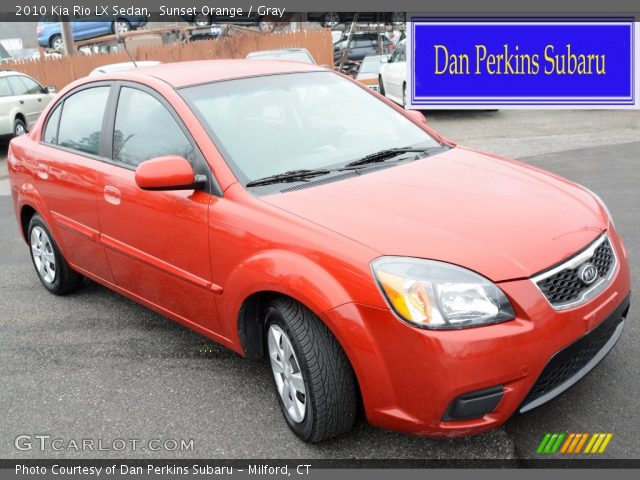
290 213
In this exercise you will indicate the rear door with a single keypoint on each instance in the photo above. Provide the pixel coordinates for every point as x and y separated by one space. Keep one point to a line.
38 98
157 242
65 176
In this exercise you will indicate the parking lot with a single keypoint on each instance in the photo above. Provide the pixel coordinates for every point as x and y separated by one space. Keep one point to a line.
96 365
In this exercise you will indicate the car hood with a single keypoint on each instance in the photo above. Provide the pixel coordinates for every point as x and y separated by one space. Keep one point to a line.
500 218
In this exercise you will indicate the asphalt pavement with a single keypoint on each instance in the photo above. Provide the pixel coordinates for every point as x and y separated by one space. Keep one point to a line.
95 365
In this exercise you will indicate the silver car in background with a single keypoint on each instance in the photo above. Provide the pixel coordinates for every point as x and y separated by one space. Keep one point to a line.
22 99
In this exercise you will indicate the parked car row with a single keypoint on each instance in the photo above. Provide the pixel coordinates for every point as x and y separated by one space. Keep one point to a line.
333 19
83 28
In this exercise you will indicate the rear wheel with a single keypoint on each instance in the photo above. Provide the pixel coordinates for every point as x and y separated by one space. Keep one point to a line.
121 26
314 382
56 42
52 269
19 128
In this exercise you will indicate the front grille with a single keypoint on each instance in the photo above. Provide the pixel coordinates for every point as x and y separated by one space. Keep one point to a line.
562 285
568 363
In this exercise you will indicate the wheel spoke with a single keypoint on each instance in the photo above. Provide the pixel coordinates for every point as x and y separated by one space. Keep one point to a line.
276 364
286 373
286 350
297 383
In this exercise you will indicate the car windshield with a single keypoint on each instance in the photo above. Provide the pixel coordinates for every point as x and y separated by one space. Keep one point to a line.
273 124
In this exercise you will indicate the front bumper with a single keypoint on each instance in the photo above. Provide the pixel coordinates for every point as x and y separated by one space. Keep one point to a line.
410 377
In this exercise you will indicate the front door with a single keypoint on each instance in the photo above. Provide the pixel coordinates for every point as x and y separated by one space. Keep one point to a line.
157 242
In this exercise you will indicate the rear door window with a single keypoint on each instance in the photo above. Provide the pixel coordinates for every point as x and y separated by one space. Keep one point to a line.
18 87
51 130
81 120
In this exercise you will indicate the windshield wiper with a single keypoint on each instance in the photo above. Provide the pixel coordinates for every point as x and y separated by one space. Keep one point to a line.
390 153
290 176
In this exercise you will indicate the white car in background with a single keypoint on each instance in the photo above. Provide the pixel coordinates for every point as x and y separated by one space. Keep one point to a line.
119 67
22 99
393 75
291 54
369 70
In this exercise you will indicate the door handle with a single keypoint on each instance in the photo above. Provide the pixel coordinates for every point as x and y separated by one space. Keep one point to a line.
21 102
112 195
39 99
43 171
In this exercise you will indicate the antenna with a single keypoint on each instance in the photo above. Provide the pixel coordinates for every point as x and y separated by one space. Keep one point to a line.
121 39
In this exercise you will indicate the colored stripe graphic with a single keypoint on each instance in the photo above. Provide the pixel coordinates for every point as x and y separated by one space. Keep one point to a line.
573 443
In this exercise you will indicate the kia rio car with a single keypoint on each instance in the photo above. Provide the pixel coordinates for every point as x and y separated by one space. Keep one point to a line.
295 215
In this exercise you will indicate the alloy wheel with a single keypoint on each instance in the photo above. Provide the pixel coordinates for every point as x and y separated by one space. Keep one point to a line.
43 255
287 374
19 129
57 43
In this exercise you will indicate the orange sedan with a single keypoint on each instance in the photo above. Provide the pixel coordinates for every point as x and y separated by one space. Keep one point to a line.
293 214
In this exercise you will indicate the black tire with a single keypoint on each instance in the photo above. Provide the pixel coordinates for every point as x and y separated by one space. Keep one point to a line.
121 25
201 20
65 280
330 384
381 85
404 96
56 43
19 127
331 19
266 26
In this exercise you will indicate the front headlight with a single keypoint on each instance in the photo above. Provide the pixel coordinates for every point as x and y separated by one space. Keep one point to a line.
439 295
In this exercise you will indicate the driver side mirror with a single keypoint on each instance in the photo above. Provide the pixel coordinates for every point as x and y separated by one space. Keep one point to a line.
171 172
384 59
49 89
417 116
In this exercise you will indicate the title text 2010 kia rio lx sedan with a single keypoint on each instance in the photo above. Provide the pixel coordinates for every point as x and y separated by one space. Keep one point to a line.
290 213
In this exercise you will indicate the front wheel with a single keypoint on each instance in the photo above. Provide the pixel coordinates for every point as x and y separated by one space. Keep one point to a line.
52 268
313 379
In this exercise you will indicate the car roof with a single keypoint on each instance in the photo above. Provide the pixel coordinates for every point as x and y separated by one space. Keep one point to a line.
182 74
8 73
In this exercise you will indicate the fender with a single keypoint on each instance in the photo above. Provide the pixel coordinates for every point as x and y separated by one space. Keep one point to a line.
283 272
29 196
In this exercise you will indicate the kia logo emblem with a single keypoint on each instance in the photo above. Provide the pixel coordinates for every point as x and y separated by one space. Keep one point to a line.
588 273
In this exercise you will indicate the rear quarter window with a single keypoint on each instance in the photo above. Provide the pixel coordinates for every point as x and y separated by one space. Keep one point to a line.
51 130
